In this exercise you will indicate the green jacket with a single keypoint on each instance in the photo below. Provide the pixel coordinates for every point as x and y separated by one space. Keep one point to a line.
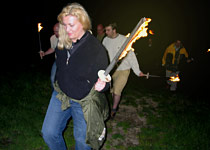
96 111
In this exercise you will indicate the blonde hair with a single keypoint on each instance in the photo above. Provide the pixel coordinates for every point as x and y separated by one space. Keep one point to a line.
78 11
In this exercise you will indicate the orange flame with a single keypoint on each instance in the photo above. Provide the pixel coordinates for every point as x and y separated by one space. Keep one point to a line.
151 32
128 35
141 32
208 50
39 27
175 78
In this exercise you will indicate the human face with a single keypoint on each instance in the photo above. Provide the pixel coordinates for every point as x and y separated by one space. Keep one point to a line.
178 43
55 30
110 32
73 27
100 29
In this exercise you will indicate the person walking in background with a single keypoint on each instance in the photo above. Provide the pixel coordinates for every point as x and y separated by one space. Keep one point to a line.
53 43
100 32
112 42
78 90
173 55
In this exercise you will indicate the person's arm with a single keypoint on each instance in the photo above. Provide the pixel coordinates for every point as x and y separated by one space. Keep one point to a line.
134 64
101 86
49 51
164 57
102 61
185 53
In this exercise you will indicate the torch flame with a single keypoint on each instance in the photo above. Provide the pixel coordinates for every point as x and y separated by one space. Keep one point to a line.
151 32
128 35
141 32
175 78
39 27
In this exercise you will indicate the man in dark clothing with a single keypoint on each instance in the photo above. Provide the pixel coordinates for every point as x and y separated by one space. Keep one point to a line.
174 54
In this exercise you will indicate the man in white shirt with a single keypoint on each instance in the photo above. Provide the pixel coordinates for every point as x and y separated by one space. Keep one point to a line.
53 44
113 42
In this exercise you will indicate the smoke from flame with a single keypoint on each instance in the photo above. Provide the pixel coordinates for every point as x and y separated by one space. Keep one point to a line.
141 32
39 27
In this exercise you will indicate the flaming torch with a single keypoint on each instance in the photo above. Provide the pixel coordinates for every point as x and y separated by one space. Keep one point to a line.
39 29
139 31
151 32
175 78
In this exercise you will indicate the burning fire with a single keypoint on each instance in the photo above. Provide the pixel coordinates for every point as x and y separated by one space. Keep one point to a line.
128 35
151 32
208 50
39 27
175 78
141 32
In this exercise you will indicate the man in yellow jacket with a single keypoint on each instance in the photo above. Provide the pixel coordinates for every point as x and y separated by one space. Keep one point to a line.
171 59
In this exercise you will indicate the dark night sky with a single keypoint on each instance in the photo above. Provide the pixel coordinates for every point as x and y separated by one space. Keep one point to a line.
171 20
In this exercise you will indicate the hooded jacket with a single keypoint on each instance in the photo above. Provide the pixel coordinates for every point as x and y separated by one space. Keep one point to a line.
172 57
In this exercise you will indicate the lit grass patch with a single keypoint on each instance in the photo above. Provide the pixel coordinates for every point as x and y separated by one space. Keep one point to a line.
129 100
117 136
181 125
124 124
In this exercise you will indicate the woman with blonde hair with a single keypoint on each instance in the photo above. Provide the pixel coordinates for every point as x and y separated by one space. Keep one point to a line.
78 91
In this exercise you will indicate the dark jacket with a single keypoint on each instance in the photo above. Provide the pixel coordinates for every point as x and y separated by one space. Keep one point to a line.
172 58
77 76
75 79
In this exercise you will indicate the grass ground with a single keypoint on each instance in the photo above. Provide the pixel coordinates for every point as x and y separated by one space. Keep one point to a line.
161 120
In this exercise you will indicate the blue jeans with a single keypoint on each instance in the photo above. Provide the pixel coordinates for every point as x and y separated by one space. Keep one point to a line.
56 120
52 75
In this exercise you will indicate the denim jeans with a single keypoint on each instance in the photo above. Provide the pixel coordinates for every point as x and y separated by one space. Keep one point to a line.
56 120
52 75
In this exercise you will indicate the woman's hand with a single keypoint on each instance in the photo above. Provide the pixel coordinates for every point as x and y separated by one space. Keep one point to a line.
100 85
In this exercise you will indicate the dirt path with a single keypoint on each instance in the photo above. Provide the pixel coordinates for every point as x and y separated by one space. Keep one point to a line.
124 130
